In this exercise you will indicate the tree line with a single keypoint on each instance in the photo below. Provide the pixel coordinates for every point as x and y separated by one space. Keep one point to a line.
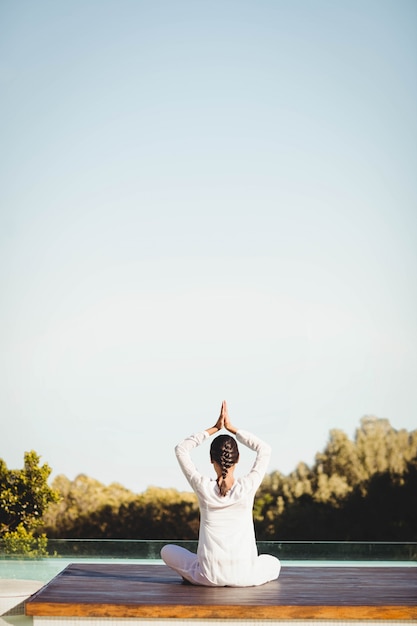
360 489
363 489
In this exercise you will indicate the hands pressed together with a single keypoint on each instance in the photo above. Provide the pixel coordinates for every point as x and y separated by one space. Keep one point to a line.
223 421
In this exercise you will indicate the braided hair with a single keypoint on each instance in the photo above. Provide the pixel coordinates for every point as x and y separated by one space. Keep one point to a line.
225 453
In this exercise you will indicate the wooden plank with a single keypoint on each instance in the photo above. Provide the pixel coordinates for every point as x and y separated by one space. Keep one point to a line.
154 591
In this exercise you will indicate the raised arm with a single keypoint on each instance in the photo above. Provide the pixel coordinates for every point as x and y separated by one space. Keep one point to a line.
183 449
262 449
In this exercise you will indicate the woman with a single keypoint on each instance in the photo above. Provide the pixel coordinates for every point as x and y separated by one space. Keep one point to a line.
227 554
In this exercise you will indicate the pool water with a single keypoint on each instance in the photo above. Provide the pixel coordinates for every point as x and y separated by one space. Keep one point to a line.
45 569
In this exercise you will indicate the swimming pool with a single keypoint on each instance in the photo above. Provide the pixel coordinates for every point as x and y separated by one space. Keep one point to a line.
313 553
43 570
20 577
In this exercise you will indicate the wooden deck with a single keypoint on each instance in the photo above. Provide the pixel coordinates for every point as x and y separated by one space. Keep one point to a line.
301 593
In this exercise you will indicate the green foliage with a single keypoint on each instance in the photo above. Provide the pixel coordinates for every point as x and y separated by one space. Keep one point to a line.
90 510
24 498
363 490
75 515
23 542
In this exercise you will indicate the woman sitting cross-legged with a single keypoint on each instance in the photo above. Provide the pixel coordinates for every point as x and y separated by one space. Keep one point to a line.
227 554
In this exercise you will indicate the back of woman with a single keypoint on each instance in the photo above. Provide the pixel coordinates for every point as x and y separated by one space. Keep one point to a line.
227 548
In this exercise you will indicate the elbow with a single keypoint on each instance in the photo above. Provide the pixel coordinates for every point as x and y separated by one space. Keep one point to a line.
178 450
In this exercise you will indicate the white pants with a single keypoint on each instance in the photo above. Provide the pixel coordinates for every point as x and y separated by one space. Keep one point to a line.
186 564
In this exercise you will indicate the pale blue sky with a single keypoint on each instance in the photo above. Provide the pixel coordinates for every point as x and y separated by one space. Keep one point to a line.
204 200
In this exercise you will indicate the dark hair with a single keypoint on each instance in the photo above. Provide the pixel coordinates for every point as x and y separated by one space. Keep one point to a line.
224 451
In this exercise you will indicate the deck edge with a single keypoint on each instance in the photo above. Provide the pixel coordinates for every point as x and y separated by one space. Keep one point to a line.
175 611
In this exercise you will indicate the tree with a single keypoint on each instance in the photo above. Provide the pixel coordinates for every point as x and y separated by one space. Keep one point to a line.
24 497
381 448
81 502
88 509
340 458
356 490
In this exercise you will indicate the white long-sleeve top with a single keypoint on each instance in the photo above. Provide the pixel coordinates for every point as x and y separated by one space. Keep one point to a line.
227 551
